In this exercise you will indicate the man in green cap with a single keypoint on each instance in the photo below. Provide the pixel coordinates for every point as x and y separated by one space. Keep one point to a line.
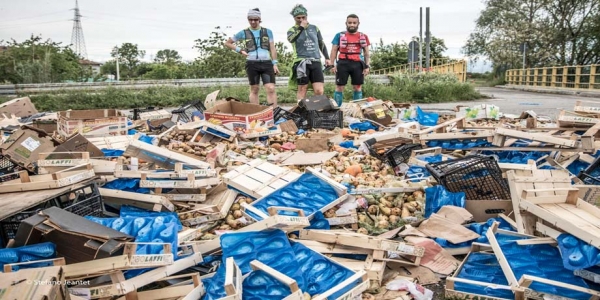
307 43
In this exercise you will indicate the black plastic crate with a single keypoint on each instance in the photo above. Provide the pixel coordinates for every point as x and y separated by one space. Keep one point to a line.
185 112
280 113
373 151
591 174
588 179
478 176
138 111
400 154
326 119
83 201
7 166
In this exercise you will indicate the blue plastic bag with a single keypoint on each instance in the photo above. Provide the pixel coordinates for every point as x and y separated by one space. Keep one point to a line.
427 118
437 196
363 126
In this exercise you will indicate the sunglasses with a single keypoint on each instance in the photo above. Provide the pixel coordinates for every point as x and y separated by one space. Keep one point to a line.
253 20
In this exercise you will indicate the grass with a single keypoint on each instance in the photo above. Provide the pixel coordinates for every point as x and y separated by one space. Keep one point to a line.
413 88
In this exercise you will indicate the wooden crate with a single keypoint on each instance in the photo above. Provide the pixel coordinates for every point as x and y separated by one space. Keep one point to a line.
26 284
119 286
259 178
451 292
383 249
128 261
340 190
522 284
56 180
145 201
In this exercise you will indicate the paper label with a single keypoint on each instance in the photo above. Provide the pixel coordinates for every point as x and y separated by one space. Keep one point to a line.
30 144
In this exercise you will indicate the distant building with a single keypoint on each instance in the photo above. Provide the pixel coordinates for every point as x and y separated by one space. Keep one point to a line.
95 66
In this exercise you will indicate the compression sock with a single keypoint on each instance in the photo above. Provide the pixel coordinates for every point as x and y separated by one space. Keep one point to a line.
338 97
357 95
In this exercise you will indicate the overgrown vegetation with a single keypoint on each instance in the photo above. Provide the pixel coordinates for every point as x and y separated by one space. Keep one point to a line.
421 88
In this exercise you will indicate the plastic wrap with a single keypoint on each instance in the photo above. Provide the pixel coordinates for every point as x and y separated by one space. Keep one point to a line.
437 196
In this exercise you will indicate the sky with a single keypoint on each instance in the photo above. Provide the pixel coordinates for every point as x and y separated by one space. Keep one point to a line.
157 24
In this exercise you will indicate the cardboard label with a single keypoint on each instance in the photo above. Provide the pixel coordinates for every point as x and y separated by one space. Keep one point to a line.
151 260
30 144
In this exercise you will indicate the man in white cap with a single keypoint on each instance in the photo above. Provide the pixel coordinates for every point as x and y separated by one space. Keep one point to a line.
261 56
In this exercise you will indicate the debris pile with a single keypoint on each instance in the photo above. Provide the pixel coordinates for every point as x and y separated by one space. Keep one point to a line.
221 199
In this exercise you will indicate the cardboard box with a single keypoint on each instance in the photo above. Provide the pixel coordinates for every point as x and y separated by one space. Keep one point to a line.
483 210
481 111
241 117
77 239
35 284
98 122
20 107
78 143
24 146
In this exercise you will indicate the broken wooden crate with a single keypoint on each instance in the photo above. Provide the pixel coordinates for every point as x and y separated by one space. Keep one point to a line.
216 207
119 286
549 196
28 284
252 212
59 179
542 285
383 249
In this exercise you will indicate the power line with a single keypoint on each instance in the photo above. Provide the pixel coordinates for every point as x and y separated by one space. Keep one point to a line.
33 17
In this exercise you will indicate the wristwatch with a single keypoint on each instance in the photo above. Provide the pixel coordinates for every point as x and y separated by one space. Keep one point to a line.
367 66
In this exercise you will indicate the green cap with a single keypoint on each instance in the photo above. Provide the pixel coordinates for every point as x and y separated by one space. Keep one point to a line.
298 10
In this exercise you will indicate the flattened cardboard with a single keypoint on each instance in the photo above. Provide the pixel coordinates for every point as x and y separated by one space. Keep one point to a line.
318 142
77 239
483 210
27 284
435 258
20 107
455 214
437 226
240 117
24 146
78 143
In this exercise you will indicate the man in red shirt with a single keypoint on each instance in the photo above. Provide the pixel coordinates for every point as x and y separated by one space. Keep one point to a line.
353 60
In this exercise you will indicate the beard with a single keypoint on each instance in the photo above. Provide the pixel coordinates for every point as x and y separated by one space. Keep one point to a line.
352 29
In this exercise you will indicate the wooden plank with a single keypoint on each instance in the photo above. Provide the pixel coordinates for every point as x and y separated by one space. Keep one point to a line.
146 201
589 234
441 125
457 135
290 282
535 137
49 181
160 156
352 294
508 273
531 279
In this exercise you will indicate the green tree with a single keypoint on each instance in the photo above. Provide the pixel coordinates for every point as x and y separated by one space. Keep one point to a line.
557 32
37 61
129 56
215 60
396 54
168 57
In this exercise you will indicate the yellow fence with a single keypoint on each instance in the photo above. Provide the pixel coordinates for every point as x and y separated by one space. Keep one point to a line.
572 77
442 66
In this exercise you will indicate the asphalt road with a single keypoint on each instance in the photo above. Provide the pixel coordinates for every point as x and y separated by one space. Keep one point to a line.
515 102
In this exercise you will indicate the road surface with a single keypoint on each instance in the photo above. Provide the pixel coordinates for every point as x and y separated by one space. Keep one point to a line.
515 102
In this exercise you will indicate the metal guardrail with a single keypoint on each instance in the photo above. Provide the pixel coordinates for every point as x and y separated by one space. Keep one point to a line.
449 66
571 77
142 84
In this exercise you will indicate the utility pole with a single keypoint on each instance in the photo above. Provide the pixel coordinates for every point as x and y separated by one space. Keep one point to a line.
524 54
427 38
117 61
420 39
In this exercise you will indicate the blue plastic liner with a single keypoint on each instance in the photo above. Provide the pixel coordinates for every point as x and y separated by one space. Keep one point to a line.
259 285
577 254
483 267
27 253
158 229
319 273
437 196
127 185
271 247
112 152
417 173
132 211
308 192
540 261
458 144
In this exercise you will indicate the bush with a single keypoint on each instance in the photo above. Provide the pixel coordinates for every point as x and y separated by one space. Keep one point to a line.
410 88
